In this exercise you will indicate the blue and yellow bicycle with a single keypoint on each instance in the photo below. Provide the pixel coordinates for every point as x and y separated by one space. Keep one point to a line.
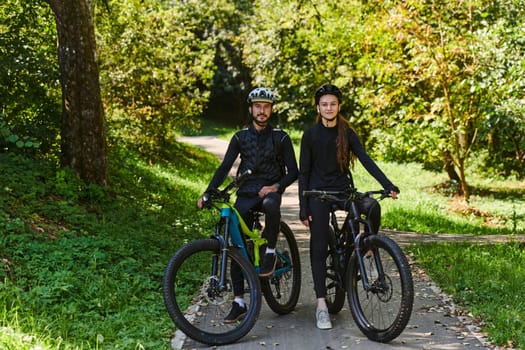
197 283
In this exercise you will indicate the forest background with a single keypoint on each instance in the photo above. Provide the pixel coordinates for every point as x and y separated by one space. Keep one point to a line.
434 83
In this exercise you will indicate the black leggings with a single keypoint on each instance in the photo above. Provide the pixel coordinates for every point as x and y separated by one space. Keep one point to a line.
319 228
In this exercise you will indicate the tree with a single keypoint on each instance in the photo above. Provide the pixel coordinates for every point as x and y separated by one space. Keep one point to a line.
156 68
295 54
83 132
502 46
438 83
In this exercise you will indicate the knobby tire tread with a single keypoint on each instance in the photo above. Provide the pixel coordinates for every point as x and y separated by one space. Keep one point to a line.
407 294
177 315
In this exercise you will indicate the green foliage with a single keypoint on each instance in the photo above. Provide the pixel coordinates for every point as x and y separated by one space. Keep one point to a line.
296 54
487 280
10 141
423 80
81 265
420 78
156 68
29 84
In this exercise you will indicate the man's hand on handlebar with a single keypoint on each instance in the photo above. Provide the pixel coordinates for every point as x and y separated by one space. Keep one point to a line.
267 189
202 199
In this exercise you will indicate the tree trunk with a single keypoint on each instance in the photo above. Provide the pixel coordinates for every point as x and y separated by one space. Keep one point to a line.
464 185
449 167
83 144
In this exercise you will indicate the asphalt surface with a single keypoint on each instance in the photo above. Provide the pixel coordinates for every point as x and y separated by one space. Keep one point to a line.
436 323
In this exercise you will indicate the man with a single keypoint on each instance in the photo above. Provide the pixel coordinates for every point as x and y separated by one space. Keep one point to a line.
269 154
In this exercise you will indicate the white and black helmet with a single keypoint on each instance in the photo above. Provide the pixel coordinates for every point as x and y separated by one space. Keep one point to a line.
261 94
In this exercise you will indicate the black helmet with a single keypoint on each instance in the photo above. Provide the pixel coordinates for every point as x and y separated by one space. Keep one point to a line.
328 89
261 94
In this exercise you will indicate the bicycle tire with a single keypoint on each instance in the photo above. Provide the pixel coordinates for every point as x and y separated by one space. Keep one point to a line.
281 291
335 292
382 313
195 306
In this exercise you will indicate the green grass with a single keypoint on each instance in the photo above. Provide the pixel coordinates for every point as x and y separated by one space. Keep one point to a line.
486 280
81 265
496 207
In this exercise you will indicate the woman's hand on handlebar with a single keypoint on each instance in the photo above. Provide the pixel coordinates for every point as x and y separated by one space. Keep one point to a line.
391 192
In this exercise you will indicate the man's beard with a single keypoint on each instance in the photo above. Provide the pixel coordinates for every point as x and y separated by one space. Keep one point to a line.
259 122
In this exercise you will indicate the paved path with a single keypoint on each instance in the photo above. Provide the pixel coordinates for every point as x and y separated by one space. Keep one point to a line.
435 322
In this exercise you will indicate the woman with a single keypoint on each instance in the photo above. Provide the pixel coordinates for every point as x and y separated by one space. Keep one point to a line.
328 151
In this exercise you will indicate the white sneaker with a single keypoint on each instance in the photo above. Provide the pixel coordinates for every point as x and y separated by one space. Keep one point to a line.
323 318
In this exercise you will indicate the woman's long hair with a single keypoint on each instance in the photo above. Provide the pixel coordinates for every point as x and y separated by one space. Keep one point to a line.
345 157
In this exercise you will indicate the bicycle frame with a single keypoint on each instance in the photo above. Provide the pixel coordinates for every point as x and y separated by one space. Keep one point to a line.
345 244
234 229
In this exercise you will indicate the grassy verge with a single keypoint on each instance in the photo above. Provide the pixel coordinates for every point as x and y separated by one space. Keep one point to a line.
426 205
486 280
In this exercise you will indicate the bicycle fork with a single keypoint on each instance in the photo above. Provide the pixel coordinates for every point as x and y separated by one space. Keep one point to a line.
358 237
220 284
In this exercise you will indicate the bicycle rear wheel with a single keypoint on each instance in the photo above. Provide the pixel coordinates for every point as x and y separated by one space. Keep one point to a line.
383 311
281 290
335 292
194 300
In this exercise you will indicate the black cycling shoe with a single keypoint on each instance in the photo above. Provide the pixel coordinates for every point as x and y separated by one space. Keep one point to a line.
236 313
268 265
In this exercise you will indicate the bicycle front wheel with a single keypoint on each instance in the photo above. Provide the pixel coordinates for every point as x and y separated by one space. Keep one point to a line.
197 302
281 290
383 311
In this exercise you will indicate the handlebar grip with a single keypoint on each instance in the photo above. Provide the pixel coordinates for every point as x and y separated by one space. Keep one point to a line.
243 175
240 178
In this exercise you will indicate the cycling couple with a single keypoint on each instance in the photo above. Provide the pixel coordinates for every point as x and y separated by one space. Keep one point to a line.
328 151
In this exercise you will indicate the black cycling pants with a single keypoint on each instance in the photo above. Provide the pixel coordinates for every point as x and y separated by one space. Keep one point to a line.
270 205
319 228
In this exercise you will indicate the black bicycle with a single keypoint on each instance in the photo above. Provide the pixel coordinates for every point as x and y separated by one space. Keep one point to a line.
370 268
197 283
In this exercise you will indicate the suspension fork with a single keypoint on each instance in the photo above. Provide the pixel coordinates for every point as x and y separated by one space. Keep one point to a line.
223 251
358 245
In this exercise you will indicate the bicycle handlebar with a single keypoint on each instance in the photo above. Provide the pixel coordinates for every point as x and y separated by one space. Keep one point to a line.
224 195
339 196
